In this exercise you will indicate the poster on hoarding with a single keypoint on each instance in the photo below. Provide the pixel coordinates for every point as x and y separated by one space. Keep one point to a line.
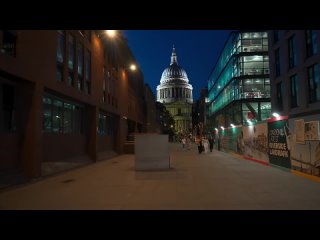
311 132
255 142
278 140
299 128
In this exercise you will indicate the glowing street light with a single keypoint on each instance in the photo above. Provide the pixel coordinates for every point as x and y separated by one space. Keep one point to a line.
217 129
276 114
232 125
222 127
111 33
133 67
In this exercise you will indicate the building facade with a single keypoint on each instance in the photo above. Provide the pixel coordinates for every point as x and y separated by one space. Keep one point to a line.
175 93
295 83
65 94
239 84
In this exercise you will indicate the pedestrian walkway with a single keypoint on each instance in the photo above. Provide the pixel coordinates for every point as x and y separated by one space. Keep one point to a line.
215 180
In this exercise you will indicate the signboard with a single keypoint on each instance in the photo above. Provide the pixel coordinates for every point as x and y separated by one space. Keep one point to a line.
278 138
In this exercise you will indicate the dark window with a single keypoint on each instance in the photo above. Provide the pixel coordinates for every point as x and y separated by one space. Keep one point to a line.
275 35
294 82
277 61
61 117
179 111
311 42
67 117
87 85
71 60
279 97
314 83
80 66
47 114
60 55
102 128
9 39
292 52
7 108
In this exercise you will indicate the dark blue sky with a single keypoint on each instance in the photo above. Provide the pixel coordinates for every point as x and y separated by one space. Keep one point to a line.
197 52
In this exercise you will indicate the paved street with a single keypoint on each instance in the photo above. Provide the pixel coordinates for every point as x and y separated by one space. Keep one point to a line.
208 181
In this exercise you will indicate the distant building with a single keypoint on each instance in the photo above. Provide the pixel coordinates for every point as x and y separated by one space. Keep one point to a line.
175 93
239 84
199 111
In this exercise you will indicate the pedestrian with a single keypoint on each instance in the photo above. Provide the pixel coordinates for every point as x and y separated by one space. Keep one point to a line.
183 140
199 143
188 140
205 145
211 143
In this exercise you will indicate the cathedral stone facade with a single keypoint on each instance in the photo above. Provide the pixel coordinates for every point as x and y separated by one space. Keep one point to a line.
175 93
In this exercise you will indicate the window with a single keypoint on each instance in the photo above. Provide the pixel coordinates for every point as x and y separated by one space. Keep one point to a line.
292 52
60 55
47 114
314 83
60 116
80 66
279 96
7 113
57 116
67 118
9 38
311 42
294 83
277 61
275 36
71 60
102 128
87 57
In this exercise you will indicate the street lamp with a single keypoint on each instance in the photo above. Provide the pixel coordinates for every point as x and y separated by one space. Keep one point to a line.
133 67
111 33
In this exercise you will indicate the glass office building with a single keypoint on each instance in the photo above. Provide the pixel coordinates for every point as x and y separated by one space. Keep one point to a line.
239 84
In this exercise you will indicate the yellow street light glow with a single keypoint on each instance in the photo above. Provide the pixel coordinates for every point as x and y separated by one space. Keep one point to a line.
111 33
133 67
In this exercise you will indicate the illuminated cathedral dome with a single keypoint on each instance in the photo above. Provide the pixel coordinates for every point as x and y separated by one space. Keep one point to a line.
174 83
174 73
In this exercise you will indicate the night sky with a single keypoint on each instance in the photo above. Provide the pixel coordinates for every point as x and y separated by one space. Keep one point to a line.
197 52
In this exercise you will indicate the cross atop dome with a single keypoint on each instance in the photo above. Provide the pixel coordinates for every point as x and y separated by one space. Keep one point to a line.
173 56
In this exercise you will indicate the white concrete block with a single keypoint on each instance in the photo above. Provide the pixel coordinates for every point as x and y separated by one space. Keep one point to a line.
152 152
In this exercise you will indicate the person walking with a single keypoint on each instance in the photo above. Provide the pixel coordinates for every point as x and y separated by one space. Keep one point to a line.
205 145
199 143
211 143
188 140
183 141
